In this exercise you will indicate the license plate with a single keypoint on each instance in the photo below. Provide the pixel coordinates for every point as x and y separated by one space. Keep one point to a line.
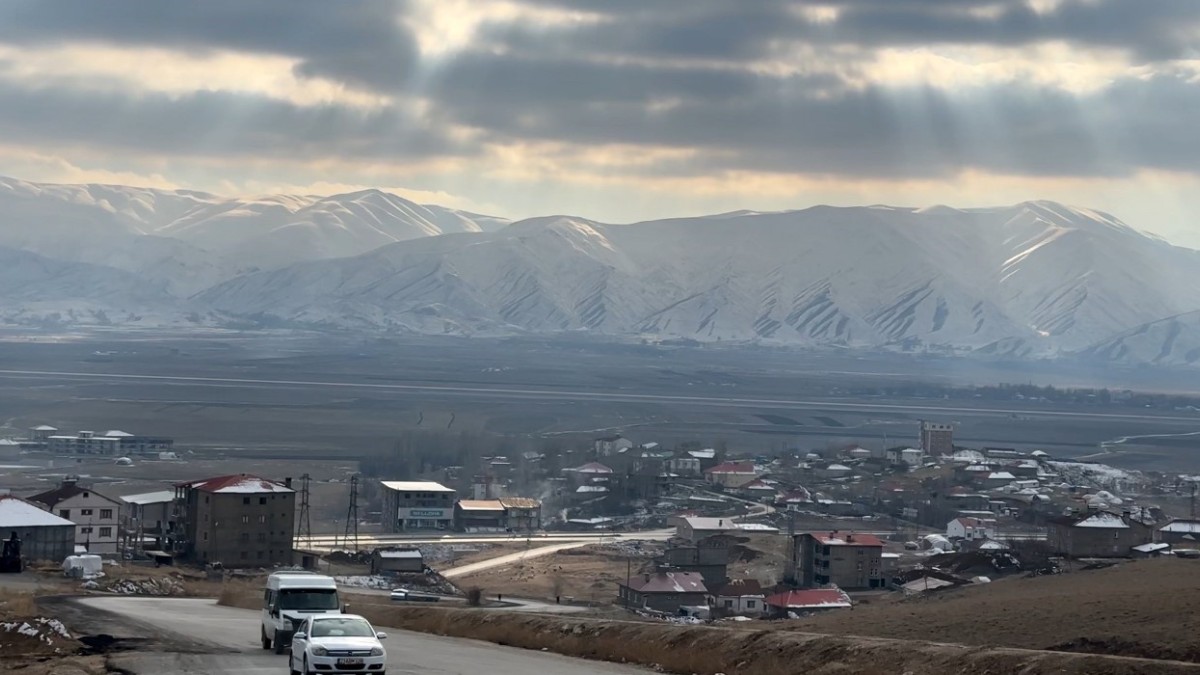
349 662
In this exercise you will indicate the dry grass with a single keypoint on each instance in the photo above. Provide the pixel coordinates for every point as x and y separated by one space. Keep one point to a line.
1148 608
710 650
17 603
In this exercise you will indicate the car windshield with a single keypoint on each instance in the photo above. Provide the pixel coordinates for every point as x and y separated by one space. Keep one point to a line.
308 599
342 628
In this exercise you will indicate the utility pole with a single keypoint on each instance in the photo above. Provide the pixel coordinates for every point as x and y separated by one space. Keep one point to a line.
304 520
628 579
352 514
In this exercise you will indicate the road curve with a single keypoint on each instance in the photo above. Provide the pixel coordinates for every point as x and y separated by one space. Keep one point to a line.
198 636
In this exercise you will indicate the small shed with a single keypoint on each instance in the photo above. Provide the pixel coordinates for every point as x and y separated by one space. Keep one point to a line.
43 535
404 560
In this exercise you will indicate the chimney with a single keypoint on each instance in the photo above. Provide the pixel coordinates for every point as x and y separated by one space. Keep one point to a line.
647 575
849 538
70 481
720 522
1126 514
287 482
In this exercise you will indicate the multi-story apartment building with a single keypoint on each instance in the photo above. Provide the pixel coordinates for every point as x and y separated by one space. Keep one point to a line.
97 518
937 439
239 521
417 505
843 559
113 443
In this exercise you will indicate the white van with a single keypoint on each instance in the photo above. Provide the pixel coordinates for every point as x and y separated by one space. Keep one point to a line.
291 597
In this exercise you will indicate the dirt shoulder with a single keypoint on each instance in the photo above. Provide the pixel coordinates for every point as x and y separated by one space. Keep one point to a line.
703 650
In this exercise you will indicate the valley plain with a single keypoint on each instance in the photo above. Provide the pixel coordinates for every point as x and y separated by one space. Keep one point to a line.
331 395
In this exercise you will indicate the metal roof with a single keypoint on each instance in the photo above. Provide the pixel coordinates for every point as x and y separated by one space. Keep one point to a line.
414 486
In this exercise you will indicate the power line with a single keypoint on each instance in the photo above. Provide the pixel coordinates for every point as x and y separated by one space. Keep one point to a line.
304 520
352 514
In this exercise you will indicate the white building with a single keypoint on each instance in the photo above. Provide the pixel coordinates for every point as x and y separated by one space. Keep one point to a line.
410 505
97 518
971 528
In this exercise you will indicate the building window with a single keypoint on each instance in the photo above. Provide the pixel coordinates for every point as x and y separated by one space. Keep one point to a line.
64 513
205 536
245 536
262 519
245 500
749 604
262 500
85 530
262 536
245 555
105 514
245 520
85 512
729 604
106 532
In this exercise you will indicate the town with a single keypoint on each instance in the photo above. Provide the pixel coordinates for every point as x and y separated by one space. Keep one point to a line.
690 533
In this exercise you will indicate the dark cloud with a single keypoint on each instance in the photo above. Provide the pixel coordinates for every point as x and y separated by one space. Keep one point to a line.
1151 29
647 73
362 42
215 124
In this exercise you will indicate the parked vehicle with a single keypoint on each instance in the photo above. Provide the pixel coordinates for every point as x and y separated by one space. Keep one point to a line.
291 597
330 643
405 595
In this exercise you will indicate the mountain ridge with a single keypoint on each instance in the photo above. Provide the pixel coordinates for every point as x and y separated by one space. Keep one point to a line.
1036 279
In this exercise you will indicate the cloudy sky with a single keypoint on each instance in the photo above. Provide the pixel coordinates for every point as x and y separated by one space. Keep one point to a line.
618 110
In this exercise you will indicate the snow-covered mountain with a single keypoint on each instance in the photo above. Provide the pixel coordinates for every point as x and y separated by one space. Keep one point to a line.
279 230
1174 341
1035 278
192 240
37 289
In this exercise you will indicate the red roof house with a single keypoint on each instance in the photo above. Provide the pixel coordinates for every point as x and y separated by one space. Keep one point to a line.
809 600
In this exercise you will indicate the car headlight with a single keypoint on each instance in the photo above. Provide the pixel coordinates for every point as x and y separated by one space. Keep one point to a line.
319 651
376 651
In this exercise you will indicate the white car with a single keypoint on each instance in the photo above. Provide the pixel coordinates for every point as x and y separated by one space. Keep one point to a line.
337 643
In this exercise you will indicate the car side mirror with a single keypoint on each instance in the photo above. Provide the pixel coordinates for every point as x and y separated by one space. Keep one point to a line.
381 636
300 636
346 608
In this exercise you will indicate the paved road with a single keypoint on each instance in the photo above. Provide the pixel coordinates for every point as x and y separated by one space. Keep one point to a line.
327 542
187 636
577 395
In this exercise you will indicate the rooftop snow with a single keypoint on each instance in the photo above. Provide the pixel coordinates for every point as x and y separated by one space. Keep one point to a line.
242 483
480 505
150 497
815 598
1105 520
1189 526
414 486
405 554
17 513
846 539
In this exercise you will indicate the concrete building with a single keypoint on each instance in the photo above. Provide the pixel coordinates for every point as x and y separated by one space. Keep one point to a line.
83 443
843 559
479 515
239 521
695 528
1184 533
1096 534
937 439
731 474
522 514
971 528
740 597
708 557
610 445
97 518
397 560
112 443
417 505
43 535
664 591
149 521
